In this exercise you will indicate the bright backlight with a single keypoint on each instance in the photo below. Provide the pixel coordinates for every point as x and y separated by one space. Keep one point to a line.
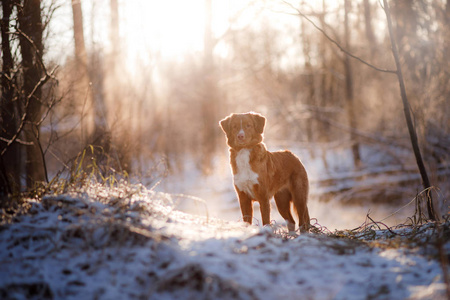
169 28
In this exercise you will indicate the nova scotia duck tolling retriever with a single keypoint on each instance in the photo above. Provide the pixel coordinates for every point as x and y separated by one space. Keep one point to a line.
259 175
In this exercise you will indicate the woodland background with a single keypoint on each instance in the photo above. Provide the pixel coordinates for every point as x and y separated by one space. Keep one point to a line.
140 116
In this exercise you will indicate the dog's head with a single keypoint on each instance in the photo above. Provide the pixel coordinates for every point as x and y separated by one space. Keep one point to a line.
243 130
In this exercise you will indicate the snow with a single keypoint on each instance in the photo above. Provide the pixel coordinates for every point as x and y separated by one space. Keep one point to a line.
128 242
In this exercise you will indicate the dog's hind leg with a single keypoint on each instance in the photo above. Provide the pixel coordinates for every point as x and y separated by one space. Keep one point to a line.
283 200
300 198
305 223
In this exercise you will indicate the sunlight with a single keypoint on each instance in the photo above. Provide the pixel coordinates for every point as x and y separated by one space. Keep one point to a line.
122 177
167 29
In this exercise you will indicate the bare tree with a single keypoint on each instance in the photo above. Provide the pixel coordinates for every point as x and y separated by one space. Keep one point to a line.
10 161
209 102
407 112
22 105
368 27
31 46
406 105
82 88
114 33
349 89
89 85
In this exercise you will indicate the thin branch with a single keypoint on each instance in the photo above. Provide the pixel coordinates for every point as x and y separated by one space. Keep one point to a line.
19 141
232 20
337 44
39 57
40 83
357 132
36 135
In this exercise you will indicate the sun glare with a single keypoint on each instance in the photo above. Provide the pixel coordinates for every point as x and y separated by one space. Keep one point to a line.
165 28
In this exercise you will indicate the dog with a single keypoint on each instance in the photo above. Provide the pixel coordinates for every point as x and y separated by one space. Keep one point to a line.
259 175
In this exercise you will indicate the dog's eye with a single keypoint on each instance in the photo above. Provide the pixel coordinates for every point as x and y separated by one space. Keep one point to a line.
249 125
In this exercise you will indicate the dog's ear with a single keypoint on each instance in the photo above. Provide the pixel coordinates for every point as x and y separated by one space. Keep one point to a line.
260 122
225 125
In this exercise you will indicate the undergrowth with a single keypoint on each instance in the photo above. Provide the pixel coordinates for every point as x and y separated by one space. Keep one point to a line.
85 173
80 175
86 176
98 209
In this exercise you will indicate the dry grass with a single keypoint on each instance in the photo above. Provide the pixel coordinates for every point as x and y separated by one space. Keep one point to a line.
97 211
94 215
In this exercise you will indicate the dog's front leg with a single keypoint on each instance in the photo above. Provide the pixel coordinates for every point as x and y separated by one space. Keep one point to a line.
245 203
264 206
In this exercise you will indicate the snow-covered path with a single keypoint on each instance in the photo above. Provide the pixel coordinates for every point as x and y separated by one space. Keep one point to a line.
130 243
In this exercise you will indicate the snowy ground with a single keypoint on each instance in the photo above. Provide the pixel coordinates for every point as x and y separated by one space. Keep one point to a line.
132 243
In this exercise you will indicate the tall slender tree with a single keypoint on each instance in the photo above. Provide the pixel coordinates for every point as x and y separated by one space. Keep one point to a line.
406 106
209 103
82 90
21 155
349 89
10 153
407 112
368 27
31 47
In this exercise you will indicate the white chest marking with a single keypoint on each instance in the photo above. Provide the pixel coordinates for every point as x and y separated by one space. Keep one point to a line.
245 178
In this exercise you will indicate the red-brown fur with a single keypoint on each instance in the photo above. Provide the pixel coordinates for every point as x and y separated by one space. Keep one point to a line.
260 175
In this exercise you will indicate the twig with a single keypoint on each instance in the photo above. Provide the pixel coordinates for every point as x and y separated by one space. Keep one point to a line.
39 57
409 203
317 228
337 44
40 83
19 141
376 223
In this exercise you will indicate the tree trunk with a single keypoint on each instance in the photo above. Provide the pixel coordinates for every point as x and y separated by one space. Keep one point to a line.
80 48
97 75
114 33
325 87
447 11
409 122
349 89
370 35
208 105
82 90
31 49
10 160
308 80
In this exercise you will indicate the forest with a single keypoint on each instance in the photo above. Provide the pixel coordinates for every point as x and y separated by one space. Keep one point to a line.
104 102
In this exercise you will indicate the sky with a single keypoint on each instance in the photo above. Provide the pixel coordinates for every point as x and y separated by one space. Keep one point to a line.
172 29
169 28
